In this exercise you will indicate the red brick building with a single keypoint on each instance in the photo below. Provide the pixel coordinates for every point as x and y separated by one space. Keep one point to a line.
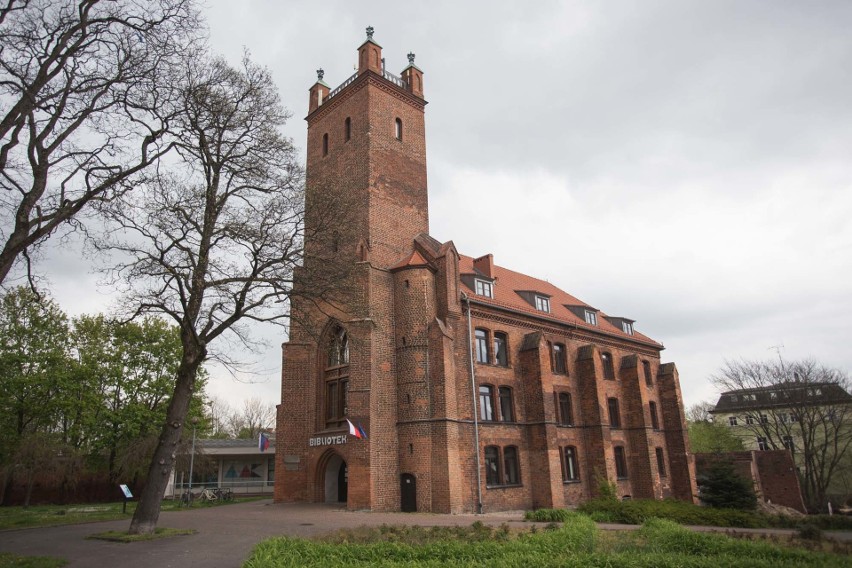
478 387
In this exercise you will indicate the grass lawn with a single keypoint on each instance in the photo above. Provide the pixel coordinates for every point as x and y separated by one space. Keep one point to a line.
51 515
577 542
13 560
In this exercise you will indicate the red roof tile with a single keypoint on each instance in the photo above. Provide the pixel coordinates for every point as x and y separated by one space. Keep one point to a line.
507 284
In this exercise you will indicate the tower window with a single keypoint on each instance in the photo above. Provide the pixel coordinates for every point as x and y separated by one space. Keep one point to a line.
347 129
398 129
325 144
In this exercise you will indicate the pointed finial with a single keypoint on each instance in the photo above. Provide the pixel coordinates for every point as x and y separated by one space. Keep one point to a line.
369 32
410 58
320 74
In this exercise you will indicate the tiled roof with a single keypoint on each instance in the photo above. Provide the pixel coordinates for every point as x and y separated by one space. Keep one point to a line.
782 395
231 443
507 284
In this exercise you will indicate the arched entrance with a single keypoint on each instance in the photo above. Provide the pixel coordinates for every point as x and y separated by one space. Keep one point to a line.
336 480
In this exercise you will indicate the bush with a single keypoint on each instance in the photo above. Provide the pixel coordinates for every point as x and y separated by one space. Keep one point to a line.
637 511
548 515
723 487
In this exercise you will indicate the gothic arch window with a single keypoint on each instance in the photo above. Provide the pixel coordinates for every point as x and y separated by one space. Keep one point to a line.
336 378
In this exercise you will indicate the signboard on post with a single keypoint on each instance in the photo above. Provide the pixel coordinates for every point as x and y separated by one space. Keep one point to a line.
127 495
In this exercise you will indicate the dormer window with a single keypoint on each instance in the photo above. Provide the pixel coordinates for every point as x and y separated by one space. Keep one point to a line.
542 304
483 288
591 317
627 327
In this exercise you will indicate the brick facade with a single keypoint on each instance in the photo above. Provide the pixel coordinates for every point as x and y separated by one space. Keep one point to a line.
410 326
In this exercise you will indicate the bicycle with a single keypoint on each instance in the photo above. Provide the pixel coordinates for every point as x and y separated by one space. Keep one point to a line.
209 495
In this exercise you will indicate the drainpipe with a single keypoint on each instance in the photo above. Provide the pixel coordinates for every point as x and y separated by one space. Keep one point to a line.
475 415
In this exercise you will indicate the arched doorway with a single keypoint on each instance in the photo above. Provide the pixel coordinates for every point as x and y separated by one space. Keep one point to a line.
336 480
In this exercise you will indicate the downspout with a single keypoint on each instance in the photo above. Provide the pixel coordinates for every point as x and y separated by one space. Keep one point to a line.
475 415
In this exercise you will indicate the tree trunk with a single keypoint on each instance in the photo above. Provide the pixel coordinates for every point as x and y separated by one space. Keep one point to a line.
163 462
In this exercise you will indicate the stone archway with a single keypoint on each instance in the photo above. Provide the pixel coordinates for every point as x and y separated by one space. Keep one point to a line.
334 478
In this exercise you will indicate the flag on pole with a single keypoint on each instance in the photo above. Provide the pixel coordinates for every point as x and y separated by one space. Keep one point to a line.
356 431
263 442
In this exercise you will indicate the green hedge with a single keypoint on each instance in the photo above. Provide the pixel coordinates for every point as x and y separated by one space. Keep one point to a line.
637 511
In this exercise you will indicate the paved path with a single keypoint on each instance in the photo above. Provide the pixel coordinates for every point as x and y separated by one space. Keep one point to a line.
227 534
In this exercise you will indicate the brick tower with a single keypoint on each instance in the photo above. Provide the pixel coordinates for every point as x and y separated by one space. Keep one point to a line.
366 146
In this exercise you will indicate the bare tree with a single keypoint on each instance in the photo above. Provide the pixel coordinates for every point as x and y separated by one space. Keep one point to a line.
216 240
802 406
256 416
700 412
86 99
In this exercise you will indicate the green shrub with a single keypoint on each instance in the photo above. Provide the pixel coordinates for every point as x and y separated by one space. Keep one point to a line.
809 531
548 515
721 486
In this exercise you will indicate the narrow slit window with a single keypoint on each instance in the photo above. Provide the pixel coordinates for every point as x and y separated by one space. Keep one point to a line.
398 129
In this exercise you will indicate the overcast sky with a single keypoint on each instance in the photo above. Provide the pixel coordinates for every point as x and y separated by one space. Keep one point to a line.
684 164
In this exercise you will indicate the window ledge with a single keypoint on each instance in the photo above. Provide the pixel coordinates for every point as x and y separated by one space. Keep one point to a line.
570 481
507 486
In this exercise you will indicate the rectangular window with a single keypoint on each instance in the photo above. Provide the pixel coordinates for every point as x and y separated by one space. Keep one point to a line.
620 463
732 420
608 369
570 472
646 370
627 327
501 355
655 421
566 414
481 346
483 288
507 406
764 419
336 399
788 443
512 468
486 403
762 444
492 465
591 317
661 462
614 415
559 365
749 419
542 304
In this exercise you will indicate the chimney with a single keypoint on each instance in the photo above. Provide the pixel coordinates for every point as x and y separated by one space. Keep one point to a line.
485 265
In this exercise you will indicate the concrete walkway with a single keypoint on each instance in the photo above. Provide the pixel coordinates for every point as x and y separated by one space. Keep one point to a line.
227 534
